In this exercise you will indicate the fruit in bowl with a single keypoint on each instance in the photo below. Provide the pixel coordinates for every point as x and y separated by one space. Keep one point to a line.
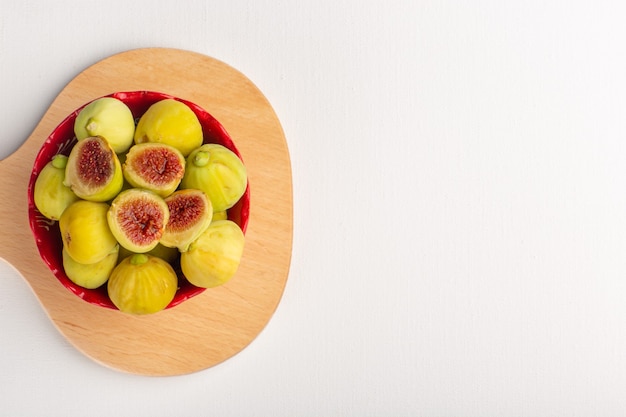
94 206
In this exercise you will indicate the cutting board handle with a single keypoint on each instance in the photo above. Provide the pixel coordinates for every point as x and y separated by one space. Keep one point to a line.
15 170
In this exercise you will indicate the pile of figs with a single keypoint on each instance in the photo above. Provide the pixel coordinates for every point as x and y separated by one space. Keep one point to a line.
136 197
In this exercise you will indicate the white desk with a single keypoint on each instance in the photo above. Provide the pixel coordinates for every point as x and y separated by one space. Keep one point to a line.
459 207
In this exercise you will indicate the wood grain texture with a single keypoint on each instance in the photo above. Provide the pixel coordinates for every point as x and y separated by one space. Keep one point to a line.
220 322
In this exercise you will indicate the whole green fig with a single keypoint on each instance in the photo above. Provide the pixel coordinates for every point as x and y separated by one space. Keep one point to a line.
51 196
107 117
218 172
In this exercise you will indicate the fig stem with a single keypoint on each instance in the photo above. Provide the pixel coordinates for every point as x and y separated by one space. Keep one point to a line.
201 159
59 161
91 126
139 259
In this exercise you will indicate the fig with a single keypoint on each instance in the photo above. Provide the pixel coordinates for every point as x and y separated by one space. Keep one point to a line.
107 117
50 195
169 255
219 215
213 258
190 215
218 172
93 171
85 233
137 219
90 276
142 284
171 122
154 166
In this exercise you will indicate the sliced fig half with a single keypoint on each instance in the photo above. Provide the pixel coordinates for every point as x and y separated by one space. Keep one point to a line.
93 171
154 166
137 219
191 213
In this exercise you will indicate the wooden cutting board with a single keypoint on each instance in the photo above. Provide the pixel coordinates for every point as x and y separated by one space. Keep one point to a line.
218 323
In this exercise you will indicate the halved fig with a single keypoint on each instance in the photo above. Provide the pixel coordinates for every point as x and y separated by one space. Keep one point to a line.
219 215
169 255
154 166
137 219
190 215
85 232
110 118
93 171
171 122
142 284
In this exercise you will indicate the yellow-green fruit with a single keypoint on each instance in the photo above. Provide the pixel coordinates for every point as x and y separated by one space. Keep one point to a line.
90 275
220 215
190 215
142 284
154 166
107 117
137 219
218 172
85 232
169 255
93 170
51 196
170 122
214 257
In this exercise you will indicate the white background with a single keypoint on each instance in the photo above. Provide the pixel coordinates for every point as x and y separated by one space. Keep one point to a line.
459 174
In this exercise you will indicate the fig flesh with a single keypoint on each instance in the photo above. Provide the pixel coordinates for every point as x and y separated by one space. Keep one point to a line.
137 219
190 215
142 284
107 117
213 259
85 233
171 122
90 276
154 166
50 195
218 172
93 171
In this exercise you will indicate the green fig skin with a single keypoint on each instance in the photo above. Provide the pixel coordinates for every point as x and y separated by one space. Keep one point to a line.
93 170
219 215
171 122
90 276
218 172
107 117
50 194
169 255
213 259
137 219
154 166
142 284
85 233
190 215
